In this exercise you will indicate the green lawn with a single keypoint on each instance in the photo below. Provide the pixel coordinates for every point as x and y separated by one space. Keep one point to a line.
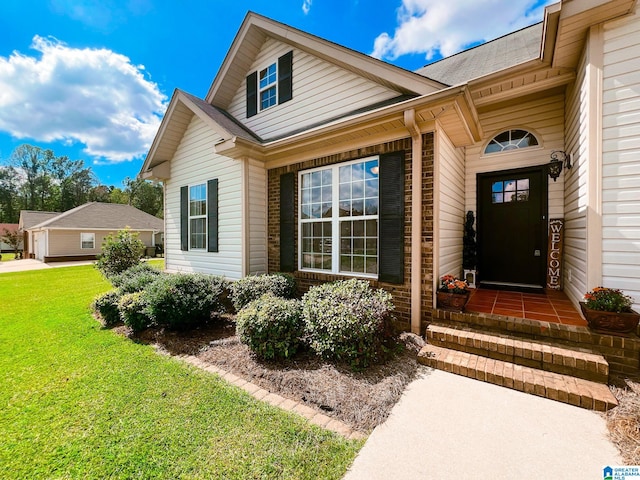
78 401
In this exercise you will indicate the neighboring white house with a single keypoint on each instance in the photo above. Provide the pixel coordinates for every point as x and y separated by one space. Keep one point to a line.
303 155
78 234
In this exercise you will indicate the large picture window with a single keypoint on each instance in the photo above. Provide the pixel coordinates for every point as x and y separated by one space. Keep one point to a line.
198 216
339 218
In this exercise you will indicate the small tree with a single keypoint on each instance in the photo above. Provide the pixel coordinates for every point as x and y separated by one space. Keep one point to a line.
13 239
120 252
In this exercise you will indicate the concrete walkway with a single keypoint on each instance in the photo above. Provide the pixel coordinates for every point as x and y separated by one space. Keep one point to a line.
32 264
450 427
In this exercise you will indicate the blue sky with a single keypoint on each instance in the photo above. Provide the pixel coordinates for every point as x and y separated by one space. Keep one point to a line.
90 79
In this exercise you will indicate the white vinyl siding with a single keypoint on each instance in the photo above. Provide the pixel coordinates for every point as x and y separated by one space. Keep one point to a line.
545 119
257 225
195 161
451 215
321 91
575 228
620 157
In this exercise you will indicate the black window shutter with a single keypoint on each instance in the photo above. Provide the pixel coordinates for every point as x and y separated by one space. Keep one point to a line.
252 94
212 215
287 222
184 218
285 77
391 218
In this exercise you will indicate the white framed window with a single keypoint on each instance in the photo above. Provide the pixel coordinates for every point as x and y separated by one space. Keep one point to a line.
268 85
87 241
511 140
198 217
338 218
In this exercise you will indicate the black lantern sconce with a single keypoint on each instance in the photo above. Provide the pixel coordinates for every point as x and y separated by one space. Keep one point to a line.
558 160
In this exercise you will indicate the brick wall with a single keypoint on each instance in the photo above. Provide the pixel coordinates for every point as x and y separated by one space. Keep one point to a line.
401 293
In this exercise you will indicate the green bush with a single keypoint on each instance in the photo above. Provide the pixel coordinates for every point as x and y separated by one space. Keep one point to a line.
348 321
136 278
132 309
252 287
185 300
271 326
119 253
106 305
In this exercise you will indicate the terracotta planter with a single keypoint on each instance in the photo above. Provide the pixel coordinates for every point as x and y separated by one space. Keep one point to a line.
610 322
452 301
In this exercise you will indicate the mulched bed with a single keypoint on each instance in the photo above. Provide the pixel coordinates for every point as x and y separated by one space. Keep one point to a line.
623 421
362 400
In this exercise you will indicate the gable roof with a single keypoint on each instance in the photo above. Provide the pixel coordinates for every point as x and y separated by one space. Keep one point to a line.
29 218
256 29
102 216
504 52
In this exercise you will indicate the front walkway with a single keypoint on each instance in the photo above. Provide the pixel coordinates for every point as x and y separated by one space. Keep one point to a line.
552 306
447 426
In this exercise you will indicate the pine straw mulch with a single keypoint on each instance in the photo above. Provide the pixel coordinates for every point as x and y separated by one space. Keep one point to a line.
362 400
623 421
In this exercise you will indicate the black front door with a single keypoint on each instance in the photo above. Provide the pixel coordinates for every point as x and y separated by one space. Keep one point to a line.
512 219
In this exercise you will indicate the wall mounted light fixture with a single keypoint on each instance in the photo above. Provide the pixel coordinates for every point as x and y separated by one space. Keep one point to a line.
559 159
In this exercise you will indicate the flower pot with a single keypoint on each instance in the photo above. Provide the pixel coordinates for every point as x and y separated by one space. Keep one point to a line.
610 322
452 301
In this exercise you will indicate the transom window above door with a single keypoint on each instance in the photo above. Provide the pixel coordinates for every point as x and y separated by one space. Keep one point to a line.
511 140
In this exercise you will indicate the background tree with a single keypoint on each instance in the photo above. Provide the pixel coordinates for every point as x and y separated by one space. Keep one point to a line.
35 165
9 201
13 239
144 195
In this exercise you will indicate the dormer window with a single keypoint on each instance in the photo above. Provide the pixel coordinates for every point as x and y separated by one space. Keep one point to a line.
511 140
270 86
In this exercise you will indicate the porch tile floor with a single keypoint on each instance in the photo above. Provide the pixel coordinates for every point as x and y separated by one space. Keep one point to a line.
551 306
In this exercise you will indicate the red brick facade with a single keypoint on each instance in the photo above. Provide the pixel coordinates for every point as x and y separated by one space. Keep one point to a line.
401 293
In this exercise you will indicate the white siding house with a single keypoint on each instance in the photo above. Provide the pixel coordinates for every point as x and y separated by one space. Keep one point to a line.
472 132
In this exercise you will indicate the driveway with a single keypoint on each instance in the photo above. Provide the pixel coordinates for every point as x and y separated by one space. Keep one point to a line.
32 264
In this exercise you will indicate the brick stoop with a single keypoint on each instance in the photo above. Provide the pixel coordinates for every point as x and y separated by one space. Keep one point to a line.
555 386
529 353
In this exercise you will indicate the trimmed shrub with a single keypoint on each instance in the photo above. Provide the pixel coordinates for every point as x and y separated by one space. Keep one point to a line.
252 287
132 309
184 300
348 321
136 278
106 305
271 326
119 253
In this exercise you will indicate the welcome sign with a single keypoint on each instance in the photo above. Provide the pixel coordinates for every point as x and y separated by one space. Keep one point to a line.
554 255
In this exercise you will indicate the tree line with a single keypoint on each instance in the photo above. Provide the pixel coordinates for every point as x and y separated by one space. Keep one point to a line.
34 178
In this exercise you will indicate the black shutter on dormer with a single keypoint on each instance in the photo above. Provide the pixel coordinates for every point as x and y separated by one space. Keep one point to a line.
184 218
287 222
391 218
252 94
285 77
212 215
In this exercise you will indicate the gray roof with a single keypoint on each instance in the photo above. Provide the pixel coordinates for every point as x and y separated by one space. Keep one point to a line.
493 56
29 218
98 216
222 118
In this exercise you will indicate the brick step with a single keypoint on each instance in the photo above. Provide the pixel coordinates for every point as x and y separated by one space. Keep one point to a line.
508 348
555 386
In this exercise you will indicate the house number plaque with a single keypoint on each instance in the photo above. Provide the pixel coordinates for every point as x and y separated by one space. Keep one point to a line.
554 257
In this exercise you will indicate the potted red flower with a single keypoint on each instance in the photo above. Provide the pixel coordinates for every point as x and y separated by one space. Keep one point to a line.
609 310
453 293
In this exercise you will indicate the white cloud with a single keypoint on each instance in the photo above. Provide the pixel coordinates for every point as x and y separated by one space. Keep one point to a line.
92 96
306 6
443 27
